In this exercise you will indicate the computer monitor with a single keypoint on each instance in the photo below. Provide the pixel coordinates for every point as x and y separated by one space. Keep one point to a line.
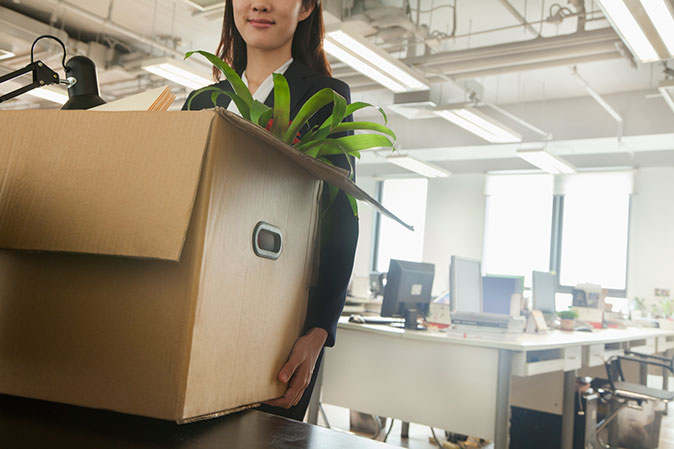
465 285
544 288
497 292
408 290
377 283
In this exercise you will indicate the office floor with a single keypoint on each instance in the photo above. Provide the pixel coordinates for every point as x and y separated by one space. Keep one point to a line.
419 436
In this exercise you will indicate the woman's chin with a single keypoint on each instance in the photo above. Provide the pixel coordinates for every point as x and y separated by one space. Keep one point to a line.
265 44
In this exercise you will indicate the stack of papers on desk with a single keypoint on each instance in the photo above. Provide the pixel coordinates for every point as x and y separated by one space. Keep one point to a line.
159 99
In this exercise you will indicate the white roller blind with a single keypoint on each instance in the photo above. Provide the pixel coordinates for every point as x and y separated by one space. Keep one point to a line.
518 223
616 182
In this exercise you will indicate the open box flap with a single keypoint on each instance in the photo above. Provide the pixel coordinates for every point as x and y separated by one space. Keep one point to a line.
115 183
333 175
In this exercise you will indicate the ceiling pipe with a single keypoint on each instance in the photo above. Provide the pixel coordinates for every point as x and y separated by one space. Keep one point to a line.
516 14
361 83
607 107
580 43
533 54
106 22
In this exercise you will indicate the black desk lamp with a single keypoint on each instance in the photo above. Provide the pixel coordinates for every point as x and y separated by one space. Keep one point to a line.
81 79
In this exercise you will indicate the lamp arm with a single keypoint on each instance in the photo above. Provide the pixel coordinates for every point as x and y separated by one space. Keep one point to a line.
42 76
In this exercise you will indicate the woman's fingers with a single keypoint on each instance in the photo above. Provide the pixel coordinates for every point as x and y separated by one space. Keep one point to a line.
290 366
298 383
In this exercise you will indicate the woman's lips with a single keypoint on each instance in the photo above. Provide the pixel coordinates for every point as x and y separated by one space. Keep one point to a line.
260 23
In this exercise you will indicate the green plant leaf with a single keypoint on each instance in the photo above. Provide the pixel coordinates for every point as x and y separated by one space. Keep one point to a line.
197 92
313 152
237 83
308 109
338 110
281 112
257 110
351 144
334 147
240 103
265 117
243 107
369 126
354 204
358 105
353 107
333 191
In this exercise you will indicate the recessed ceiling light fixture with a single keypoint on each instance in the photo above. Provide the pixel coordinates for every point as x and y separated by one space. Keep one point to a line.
646 26
5 54
546 161
474 121
419 167
50 93
176 71
372 62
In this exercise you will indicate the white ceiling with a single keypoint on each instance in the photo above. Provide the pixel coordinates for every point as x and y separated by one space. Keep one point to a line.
550 98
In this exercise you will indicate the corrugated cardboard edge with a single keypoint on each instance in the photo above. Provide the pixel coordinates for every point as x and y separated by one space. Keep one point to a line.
333 175
217 414
205 181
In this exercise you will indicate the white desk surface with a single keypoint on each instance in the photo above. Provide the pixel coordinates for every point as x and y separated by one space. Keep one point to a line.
516 342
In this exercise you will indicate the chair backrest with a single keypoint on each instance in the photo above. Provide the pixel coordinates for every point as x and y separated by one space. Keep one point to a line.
614 371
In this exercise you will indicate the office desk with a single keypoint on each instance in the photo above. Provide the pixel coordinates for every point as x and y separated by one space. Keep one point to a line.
27 423
458 384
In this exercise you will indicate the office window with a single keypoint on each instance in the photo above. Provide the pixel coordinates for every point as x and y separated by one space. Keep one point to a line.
406 198
595 230
518 222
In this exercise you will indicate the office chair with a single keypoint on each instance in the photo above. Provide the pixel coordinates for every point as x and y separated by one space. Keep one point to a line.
617 393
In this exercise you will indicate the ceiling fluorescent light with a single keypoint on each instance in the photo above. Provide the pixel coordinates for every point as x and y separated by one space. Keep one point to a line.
626 25
417 166
206 5
662 15
176 71
546 161
479 124
372 62
5 54
666 89
50 93
415 111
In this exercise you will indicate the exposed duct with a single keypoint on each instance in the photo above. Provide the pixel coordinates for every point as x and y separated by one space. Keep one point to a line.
109 24
576 48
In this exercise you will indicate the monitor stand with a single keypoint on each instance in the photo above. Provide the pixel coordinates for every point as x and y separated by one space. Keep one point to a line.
410 321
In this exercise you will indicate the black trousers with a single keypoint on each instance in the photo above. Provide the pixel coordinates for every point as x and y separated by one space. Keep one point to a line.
298 411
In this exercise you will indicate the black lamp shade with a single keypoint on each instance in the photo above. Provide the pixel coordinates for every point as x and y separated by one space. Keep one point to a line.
84 93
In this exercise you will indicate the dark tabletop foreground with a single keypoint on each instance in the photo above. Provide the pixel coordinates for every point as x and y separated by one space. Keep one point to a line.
27 423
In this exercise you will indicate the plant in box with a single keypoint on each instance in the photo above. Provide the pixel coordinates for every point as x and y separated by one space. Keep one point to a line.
319 141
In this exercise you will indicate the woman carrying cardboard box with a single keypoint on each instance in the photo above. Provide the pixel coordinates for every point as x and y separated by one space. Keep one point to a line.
261 37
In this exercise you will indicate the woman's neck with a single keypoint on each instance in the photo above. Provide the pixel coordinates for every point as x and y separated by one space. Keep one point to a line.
262 63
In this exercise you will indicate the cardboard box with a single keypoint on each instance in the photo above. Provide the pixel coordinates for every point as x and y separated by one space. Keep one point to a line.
128 275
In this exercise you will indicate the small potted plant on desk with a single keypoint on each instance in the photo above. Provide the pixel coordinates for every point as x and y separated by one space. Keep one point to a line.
568 318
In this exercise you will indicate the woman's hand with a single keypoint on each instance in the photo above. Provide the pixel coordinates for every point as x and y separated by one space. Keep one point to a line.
300 366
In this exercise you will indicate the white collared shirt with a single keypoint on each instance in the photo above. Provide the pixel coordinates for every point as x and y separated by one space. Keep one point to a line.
265 88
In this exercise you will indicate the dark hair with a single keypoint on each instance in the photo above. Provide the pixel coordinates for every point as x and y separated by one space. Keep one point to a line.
307 44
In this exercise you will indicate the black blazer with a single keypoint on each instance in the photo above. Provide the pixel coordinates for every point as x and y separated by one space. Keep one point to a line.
338 226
